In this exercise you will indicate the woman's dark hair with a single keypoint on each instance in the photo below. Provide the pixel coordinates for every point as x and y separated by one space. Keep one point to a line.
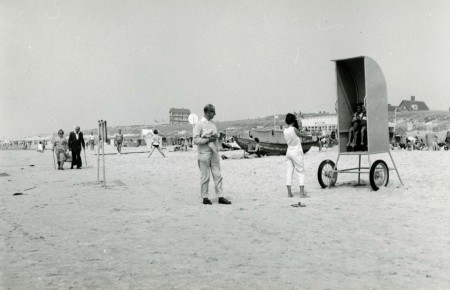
155 131
291 119
256 139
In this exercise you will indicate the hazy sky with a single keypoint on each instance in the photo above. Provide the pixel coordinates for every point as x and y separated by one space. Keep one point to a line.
66 63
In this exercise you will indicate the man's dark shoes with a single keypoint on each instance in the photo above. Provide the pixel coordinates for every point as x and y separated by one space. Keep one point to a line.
206 201
223 200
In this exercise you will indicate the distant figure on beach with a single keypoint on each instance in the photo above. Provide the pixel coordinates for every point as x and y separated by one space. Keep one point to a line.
294 156
208 159
76 140
432 142
447 141
156 142
60 149
119 141
254 151
92 141
40 147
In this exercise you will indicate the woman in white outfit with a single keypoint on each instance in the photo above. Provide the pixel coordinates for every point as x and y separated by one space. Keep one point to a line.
294 156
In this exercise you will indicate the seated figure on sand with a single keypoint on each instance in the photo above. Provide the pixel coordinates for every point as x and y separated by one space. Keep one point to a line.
254 151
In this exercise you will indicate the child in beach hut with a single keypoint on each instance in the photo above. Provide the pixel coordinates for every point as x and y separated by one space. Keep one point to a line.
355 125
363 124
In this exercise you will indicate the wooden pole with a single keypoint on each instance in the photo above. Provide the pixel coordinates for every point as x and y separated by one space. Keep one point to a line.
103 153
98 151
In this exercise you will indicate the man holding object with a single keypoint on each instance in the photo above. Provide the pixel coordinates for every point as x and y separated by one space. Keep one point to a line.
208 159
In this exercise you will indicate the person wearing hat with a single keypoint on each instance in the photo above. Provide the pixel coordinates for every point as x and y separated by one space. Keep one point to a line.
76 140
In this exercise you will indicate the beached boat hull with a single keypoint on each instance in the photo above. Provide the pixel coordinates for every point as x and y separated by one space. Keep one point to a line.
272 149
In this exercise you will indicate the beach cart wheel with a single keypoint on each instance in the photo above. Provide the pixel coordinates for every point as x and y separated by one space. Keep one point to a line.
379 174
327 174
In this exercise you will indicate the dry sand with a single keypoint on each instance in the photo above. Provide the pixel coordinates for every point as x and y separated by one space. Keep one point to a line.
148 229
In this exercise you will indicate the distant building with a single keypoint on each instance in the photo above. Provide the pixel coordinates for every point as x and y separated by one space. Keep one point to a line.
413 105
321 123
179 116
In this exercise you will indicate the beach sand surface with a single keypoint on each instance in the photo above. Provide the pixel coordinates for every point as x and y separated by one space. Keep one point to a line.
147 229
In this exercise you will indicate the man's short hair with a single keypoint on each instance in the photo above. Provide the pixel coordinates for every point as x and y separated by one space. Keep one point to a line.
207 108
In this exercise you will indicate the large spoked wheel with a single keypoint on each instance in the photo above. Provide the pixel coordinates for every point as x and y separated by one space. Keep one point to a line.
379 175
326 173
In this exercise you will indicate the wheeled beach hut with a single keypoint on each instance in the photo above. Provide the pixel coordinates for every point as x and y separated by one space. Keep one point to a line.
361 80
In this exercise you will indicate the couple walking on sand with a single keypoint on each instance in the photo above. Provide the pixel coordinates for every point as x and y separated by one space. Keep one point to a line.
206 137
61 147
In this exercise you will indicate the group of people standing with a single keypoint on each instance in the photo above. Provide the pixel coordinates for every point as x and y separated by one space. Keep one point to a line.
62 147
205 136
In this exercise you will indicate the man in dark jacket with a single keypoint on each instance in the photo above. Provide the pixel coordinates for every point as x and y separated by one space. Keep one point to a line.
76 140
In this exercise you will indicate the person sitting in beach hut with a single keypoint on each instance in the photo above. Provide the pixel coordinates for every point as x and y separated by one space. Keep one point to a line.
353 131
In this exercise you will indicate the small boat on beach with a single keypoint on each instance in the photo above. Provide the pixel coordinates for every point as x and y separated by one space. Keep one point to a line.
272 149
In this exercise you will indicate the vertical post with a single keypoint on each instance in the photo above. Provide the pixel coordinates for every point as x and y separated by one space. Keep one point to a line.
106 132
103 153
359 170
98 150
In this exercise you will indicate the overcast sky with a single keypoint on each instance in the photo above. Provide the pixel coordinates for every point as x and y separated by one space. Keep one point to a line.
66 63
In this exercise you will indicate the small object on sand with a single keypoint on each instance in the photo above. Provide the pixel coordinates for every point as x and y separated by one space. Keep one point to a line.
298 205
18 193
4 174
31 165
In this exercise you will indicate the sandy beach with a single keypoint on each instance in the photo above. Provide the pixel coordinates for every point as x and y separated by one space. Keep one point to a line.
148 229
